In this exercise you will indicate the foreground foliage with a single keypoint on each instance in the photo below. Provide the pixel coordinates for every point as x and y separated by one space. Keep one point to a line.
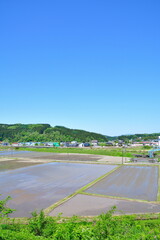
102 227
4 210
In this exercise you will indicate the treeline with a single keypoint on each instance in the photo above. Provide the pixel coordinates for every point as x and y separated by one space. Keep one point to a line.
45 133
139 137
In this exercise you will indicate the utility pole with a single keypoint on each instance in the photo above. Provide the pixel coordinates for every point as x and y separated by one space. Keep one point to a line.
125 155
122 154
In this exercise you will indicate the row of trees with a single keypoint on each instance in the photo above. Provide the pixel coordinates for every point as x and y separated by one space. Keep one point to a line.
139 137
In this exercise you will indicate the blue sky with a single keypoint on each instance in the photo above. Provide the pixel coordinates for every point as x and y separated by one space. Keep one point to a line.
86 64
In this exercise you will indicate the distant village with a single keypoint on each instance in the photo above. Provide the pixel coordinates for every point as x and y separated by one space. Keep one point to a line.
92 143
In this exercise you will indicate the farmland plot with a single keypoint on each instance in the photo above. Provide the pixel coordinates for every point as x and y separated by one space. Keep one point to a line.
85 205
136 182
40 186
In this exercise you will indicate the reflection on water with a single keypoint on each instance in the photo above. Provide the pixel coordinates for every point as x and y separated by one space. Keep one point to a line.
14 164
11 152
37 187
136 182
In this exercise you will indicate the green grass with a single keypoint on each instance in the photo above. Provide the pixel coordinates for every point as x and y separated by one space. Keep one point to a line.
118 198
97 151
109 151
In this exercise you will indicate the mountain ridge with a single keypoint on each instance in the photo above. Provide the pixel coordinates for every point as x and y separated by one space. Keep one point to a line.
45 132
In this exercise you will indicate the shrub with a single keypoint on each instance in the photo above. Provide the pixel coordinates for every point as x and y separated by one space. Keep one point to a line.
40 225
4 210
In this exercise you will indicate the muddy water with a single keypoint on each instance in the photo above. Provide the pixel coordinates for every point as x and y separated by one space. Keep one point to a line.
12 153
37 187
84 205
50 156
137 182
14 164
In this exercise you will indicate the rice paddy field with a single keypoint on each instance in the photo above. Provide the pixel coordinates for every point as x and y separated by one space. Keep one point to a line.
135 182
37 187
37 181
93 205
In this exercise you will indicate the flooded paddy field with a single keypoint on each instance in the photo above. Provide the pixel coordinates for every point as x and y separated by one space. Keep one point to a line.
85 205
12 152
9 164
38 187
135 182
50 156
73 157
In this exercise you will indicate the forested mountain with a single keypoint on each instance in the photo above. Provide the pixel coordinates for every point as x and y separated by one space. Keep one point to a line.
45 133
139 137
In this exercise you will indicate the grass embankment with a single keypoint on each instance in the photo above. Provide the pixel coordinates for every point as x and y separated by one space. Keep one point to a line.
118 152
109 151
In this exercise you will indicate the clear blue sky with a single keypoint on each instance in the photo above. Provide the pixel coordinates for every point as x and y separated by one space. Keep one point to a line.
86 64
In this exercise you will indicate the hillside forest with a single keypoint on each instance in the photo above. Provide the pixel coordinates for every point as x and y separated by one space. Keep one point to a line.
45 133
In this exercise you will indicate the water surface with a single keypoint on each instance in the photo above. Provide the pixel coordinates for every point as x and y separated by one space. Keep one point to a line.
39 186
137 182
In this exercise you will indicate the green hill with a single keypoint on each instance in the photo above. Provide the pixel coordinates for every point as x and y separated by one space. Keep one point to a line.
139 137
44 132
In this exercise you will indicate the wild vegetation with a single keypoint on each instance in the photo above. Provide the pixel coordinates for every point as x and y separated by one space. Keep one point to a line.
4 210
105 226
45 133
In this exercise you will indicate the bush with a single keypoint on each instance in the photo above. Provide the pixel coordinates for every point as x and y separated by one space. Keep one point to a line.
40 225
147 147
4 210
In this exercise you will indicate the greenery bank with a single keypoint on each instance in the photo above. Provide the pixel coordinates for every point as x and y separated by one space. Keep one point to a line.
103 227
